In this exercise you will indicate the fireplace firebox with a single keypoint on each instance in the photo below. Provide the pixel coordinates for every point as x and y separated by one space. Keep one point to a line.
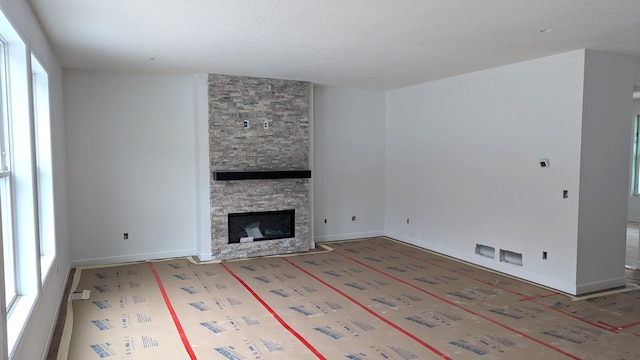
259 226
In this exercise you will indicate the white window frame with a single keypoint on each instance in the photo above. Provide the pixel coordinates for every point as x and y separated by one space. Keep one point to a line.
22 163
26 171
44 168
635 157
6 208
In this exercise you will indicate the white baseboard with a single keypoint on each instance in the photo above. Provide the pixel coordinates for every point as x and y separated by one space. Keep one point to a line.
132 258
205 256
519 273
600 285
490 265
351 236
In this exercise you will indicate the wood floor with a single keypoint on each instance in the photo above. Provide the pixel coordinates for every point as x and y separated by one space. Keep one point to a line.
62 316
362 299
633 276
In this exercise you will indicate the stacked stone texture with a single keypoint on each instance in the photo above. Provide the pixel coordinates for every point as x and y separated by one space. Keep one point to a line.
283 146
283 103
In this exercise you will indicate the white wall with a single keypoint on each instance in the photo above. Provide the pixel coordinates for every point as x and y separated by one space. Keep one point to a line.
132 165
348 163
35 338
462 163
203 194
604 170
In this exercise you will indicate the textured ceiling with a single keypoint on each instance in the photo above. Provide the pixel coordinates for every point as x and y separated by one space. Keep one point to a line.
375 44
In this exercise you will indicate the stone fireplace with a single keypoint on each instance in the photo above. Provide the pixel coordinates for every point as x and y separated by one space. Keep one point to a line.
259 157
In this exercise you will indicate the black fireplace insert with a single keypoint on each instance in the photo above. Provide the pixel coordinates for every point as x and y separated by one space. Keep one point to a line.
259 226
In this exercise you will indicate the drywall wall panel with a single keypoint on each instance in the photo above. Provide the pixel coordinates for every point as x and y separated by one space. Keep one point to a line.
604 170
348 163
203 212
131 166
462 166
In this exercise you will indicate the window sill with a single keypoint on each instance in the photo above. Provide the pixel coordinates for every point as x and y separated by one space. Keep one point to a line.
45 266
17 319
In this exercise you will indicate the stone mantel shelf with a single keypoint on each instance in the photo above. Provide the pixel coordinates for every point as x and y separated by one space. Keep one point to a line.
261 175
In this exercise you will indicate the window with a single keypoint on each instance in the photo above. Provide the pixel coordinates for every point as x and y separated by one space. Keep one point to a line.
44 179
6 208
26 185
635 160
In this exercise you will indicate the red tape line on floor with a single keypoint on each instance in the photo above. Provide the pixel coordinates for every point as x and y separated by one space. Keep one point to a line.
176 321
532 299
385 320
275 315
460 307
633 324
450 270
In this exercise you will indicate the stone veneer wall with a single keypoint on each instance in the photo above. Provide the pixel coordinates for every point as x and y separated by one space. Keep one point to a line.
284 146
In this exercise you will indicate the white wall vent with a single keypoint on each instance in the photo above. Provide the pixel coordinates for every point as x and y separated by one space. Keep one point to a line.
486 251
510 257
